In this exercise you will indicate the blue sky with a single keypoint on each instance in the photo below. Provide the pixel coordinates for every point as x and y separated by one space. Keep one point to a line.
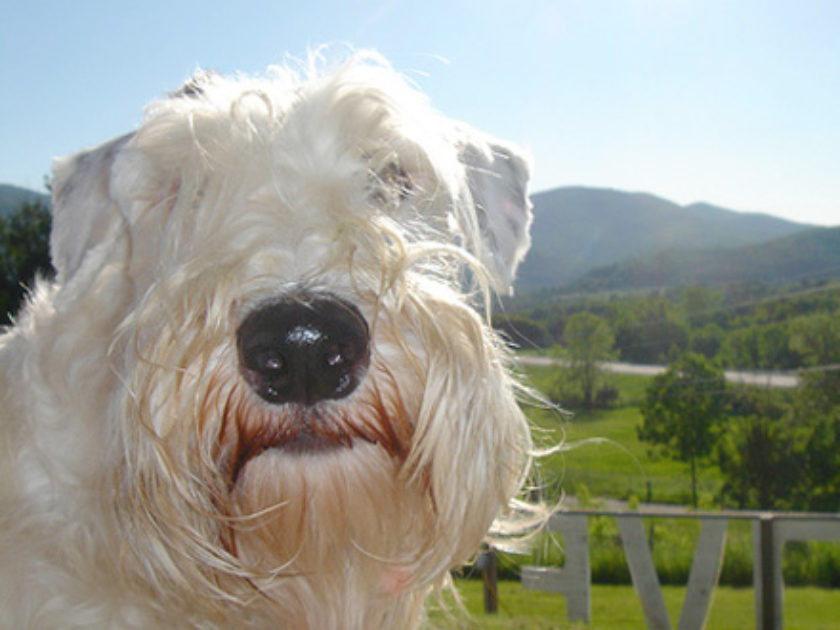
732 102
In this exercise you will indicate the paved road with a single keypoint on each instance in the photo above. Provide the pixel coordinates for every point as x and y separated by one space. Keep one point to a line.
781 380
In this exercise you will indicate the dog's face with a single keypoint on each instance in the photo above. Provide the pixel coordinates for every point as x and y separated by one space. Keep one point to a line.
304 388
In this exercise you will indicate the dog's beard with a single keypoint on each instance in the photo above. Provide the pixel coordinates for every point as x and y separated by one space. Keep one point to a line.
340 527
301 515
310 485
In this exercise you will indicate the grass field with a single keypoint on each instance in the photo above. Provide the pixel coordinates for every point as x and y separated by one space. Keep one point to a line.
603 452
618 608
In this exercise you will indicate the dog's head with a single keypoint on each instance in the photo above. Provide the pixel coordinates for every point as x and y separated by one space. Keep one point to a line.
307 385
366 137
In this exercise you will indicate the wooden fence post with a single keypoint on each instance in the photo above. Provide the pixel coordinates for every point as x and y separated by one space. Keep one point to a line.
489 572
768 574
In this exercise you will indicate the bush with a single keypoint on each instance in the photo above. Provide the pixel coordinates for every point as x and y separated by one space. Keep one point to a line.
566 392
811 563
737 569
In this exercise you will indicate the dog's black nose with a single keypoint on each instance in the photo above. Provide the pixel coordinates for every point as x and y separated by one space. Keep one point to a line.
304 349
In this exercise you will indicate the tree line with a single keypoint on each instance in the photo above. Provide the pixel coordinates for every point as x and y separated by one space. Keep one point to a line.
751 325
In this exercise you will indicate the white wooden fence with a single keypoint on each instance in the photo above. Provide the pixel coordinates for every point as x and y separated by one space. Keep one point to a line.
771 530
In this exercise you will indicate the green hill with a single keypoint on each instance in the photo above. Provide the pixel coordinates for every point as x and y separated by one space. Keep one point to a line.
811 254
579 229
13 197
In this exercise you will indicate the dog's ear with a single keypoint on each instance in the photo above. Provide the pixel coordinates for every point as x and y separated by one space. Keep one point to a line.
497 177
84 211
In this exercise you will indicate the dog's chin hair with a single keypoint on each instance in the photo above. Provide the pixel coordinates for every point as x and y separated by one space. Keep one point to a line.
341 516
301 513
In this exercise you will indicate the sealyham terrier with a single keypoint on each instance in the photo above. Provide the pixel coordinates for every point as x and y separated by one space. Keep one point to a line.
261 391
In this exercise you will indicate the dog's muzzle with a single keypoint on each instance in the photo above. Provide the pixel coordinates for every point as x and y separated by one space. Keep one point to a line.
304 349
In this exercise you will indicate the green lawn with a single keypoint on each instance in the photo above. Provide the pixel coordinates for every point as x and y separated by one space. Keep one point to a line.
618 608
603 452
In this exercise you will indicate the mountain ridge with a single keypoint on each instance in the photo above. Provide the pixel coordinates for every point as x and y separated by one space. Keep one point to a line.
577 229
812 254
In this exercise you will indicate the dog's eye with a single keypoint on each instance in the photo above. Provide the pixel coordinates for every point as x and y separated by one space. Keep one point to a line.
396 177
391 185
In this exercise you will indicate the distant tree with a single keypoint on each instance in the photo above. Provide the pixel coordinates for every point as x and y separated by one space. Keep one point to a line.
24 252
707 340
648 330
760 452
589 341
746 400
763 347
702 305
682 408
760 462
819 487
817 408
781 450
817 339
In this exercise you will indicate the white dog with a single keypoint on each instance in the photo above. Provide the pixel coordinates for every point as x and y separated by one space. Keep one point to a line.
259 392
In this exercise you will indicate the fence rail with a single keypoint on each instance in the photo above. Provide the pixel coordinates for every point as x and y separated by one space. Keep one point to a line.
770 530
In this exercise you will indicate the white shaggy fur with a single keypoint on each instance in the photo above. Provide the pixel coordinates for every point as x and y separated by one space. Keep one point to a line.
125 498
